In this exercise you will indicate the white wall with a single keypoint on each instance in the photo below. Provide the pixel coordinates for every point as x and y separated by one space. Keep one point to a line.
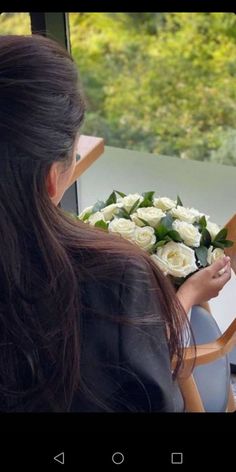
224 306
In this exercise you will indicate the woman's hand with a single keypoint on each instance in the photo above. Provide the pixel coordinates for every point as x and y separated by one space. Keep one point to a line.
205 284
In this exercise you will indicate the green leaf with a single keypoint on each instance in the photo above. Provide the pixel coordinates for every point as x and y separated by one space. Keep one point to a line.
87 215
148 200
179 201
218 244
135 205
206 238
221 235
122 213
175 236
201 253
146 203
120 193
159 244
111 199
148 196
144 221
223 243
101 224
161 231
202 222
228 243
98 206
168 238
167 221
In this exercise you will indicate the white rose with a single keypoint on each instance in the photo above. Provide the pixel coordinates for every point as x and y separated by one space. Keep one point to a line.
190 215
213 229
214 254
119 199
96 217
188 233
122 226
175 259
135 219
110 210
86 210
151 215
197 214
164 203
145 237
129 200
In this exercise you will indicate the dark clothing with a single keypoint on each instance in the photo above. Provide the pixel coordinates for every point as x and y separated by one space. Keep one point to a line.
124 367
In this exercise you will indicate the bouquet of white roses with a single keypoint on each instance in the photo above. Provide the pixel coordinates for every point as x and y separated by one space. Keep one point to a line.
180 240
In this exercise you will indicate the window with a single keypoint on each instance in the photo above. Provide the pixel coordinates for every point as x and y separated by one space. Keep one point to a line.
160 82
15 23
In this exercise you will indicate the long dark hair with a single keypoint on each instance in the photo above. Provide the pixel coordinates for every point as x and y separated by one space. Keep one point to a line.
41 111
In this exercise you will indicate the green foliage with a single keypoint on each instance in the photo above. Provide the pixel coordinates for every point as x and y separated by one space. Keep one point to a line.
122 213
221 235
160 82
15 23
156 82
111 199
202 223
201 253
205 238
161 231
167 221
179 201
134 206
101 224
147 199
120 193
175 236
221 241
87 215
98 206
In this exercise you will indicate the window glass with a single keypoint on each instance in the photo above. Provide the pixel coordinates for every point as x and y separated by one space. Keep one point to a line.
15 23
160 82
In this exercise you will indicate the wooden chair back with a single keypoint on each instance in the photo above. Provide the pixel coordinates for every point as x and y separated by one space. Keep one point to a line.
205 353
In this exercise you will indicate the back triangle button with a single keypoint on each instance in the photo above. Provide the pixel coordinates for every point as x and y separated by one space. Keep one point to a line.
60 458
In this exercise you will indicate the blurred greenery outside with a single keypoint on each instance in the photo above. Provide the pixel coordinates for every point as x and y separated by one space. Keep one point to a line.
163 83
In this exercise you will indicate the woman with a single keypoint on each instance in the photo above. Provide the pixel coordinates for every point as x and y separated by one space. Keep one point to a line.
87 321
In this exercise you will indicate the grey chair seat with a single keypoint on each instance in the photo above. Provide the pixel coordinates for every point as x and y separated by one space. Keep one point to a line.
213 380
232 360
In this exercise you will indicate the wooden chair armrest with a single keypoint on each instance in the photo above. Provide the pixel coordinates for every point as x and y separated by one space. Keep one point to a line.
231 251
89 148
206 353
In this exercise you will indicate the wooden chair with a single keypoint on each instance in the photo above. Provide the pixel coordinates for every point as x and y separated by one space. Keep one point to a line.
209 353
89 149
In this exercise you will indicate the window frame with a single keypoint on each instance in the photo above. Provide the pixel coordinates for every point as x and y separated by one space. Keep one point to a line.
56 26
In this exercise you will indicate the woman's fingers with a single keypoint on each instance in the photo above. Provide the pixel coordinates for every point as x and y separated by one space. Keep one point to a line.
221 279
205 284
219 267
220 274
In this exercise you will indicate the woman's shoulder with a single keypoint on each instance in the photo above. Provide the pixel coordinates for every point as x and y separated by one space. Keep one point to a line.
118 284
112 267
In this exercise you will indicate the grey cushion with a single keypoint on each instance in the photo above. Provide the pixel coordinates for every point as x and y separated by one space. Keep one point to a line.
232 357
213 380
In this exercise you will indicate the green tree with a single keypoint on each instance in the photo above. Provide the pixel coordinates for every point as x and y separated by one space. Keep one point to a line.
15 23
160 82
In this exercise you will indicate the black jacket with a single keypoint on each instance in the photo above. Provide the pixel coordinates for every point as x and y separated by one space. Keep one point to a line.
124 367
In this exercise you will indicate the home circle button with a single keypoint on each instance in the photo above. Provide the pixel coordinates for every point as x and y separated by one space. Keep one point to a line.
118 458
